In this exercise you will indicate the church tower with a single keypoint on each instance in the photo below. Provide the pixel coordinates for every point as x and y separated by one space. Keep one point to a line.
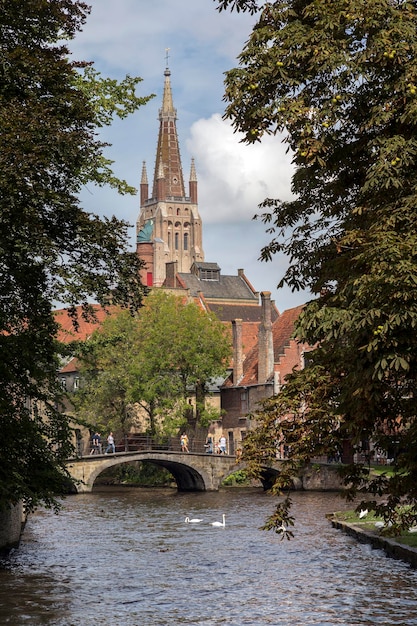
169 226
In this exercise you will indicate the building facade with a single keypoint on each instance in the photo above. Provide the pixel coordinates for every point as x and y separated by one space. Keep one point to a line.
259 374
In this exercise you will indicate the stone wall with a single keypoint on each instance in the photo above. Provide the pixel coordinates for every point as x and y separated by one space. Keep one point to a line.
316 477
11 526
391 547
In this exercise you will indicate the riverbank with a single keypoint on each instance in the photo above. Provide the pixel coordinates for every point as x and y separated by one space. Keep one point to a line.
391 547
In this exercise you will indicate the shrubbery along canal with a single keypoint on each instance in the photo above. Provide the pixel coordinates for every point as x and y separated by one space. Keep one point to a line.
125 557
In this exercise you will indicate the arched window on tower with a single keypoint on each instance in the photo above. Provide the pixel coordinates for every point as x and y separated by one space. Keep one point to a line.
177 241
185 241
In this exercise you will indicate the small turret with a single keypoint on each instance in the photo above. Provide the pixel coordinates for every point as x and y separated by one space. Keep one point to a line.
193 183
144 187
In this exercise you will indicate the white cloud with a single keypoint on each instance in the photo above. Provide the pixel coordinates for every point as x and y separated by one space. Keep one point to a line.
233 178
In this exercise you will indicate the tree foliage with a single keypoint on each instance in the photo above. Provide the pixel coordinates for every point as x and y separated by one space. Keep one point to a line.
50 249
338 78
154 361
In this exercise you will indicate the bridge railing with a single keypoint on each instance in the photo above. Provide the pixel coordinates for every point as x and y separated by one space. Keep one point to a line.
137 443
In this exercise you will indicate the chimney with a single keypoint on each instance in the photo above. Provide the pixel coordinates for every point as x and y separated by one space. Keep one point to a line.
171 274
237 351
265 340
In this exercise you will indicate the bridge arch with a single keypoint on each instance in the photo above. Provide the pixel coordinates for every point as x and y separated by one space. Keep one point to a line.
191 472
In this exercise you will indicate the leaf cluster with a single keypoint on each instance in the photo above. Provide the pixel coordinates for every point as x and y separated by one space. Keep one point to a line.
51 250
337 80
154 360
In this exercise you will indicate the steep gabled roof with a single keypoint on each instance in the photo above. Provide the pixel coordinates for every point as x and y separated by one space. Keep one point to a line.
283 329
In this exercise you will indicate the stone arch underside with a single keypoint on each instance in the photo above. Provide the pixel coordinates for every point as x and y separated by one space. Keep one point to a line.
186 477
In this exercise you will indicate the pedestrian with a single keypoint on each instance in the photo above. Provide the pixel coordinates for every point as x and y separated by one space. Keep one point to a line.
184 442
95 443
222 445
110 444
209 445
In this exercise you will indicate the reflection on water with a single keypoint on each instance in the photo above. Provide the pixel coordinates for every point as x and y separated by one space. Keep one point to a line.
126 558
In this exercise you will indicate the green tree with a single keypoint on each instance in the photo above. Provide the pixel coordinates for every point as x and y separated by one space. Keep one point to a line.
338 78
50 249
155 360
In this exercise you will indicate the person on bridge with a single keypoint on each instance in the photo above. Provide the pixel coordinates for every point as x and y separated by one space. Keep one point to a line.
96 443
110 444
184 442
222 445
209 445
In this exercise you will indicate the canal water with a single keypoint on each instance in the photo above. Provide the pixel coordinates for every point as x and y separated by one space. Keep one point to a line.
125 557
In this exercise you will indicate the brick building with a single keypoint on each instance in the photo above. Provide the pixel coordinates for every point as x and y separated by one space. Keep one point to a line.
260 373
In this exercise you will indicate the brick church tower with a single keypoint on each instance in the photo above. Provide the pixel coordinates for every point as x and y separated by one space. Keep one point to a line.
169 227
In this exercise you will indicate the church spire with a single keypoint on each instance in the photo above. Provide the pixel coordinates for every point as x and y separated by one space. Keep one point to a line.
168 158
169 228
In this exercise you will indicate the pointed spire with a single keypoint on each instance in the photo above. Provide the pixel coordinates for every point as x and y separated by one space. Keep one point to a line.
167 102
168 152
144 178
144 185
192 185
193 174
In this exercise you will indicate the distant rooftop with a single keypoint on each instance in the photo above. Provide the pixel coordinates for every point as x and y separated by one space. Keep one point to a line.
207 278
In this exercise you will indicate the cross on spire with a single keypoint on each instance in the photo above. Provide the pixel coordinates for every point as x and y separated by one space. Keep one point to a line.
167 56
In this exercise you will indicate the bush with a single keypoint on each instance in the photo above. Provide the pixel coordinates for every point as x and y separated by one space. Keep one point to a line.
238 478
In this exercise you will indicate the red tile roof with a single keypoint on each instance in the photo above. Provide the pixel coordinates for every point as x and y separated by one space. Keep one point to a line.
68 333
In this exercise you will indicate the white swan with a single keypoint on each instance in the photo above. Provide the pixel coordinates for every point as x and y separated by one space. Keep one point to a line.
194 520
363 513
220 524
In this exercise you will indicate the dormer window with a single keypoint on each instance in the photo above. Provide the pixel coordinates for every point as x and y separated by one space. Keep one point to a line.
209 274
206 271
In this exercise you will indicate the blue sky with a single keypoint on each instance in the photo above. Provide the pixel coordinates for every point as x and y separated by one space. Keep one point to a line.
131 37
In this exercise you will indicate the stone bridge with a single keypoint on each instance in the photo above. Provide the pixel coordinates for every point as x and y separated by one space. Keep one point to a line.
192 472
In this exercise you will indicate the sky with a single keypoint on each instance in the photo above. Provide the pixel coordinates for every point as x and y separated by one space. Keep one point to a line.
134 37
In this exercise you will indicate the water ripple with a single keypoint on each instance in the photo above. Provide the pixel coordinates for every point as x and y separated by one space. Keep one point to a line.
127 558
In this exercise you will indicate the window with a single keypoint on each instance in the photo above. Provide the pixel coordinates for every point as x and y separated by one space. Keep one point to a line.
177 241
209 274
185 241
244 401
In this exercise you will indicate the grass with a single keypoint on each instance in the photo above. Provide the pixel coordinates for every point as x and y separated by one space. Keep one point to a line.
382 469
368 524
